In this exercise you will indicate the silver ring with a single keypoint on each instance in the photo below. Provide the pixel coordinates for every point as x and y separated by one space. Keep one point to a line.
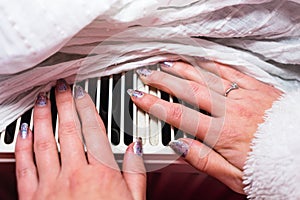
233 86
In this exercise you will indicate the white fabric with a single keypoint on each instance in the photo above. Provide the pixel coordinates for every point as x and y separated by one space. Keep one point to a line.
271 171
33 30
149 32
278 50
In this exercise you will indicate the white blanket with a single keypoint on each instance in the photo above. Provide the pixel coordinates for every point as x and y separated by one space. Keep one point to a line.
258 37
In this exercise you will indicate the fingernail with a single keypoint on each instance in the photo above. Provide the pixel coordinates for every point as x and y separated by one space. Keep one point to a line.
167 64
135 93
79 92
144 72
180 147
24 130
41 99
138 146
61 85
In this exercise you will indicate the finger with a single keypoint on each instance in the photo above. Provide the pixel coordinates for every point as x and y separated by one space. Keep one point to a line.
231 74
98 147
25 168
69 131
196 74
208 161
45 147
134 170
189 91
179 116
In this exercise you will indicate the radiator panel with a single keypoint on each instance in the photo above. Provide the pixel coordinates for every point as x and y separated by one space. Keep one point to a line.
123 120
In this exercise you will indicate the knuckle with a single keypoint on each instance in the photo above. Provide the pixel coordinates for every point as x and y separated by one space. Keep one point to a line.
65 97
227 137
175 112
91 123
157 76
44 145
91 129
213 80
202 163
237 75
68 128
156 79
22 148
24 172
217 68
41 114
194 87
83 105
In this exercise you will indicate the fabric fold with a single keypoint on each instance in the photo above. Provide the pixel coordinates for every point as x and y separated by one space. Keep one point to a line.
44 41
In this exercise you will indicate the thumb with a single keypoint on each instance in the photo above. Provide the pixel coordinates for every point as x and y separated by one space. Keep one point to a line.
134 170
208 161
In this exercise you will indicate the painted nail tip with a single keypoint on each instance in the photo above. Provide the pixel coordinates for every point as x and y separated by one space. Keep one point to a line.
130 92
135 93
143 72
79 92
138 147
41 99
24 130
61 85
167 64
179 147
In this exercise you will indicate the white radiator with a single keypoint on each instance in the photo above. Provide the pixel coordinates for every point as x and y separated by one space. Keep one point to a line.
122 119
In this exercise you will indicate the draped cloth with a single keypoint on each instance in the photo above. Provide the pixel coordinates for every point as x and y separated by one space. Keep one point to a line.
44 41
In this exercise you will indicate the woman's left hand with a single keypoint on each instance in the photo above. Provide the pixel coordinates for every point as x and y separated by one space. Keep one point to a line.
236 103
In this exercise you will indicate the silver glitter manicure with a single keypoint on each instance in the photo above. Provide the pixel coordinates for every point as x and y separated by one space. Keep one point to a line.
135 93
144 72
79 92
41 99
138 147
24 130
61 85
180 147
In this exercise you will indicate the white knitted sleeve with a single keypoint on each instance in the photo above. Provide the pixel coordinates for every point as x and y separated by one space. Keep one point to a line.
272 170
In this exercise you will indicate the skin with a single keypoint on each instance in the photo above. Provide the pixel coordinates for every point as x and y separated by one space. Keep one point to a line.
225 134
42 174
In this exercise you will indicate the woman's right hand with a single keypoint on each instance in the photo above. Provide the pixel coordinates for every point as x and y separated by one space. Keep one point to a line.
224 135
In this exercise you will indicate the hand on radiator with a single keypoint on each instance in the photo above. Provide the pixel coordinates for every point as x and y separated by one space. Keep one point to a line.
43 174
231 104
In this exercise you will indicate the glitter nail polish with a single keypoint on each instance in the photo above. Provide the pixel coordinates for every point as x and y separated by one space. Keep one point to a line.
144 72
24 130
138 146
61 85
79 92
180 147
41 99
135 93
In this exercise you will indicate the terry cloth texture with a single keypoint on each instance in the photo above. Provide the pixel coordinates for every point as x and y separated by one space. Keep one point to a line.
272 168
